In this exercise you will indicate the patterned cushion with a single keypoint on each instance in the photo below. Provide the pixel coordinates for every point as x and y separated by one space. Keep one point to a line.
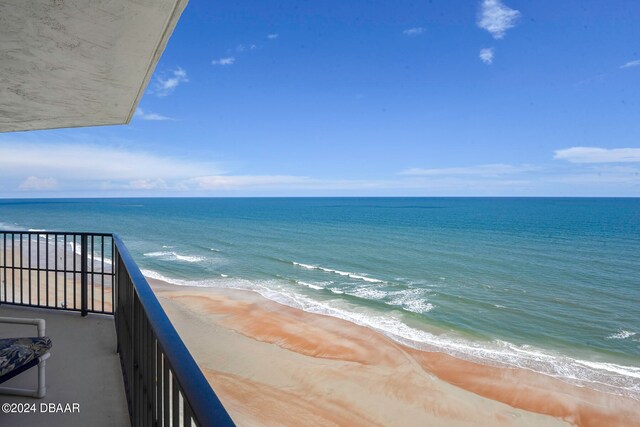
17 352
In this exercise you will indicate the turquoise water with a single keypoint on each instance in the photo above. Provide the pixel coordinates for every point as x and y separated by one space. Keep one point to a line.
552 285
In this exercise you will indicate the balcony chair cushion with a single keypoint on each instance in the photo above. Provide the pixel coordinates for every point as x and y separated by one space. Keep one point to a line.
16 353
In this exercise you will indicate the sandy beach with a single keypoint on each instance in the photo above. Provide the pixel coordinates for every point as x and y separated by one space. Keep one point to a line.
274 365
30 287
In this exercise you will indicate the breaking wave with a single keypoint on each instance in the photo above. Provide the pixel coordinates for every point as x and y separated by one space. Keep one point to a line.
607 377
173 256
341 273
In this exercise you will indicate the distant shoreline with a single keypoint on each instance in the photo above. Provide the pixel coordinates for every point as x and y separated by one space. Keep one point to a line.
182 197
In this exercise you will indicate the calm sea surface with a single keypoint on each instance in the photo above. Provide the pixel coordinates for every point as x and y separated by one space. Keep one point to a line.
552 285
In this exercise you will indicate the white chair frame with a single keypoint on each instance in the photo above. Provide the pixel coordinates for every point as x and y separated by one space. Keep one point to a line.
41 390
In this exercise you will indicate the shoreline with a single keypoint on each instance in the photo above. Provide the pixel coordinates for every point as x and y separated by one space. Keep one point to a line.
589 369
338 372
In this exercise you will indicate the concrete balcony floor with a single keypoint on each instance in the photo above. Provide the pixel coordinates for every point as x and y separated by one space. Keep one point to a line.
84 368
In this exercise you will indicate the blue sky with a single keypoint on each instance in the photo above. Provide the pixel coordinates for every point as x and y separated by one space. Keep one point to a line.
403 98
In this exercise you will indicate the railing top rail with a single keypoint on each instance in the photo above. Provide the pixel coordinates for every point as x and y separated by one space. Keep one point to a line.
206 407
58 233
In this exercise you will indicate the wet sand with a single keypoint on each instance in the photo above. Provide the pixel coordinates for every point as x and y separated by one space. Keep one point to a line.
274 365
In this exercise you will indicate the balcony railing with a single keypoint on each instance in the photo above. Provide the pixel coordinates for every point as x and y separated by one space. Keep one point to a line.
95 273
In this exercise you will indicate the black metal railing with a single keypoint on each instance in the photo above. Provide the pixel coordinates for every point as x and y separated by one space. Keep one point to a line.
165 386
95 273
57 270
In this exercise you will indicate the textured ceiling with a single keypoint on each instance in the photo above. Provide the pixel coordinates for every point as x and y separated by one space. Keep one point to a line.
70 63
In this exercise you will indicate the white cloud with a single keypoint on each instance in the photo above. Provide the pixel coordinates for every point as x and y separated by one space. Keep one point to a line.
597 177
598 155
240 181
104 169
497 18
147 184
489 170
141 114
84 165
273 36
35 183
520 180
486 55
224 61
416 31
164 86
630 64
283 182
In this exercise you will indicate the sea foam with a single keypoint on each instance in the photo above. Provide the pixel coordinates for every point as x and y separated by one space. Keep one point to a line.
95 258
173 256
607 377
309 285
621 334
341 273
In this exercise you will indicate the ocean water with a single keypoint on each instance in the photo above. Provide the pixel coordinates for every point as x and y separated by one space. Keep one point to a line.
547 284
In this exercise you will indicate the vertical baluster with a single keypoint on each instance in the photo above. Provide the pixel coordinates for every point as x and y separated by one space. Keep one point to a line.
139 359
166 389
186 412
113 281
150 371
93 254
55 268
13 271
75 269
44 269
30 267
158 384
83 274
102 272
136 367
145 371
142 365
175 397
21 267
4 264
65 275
